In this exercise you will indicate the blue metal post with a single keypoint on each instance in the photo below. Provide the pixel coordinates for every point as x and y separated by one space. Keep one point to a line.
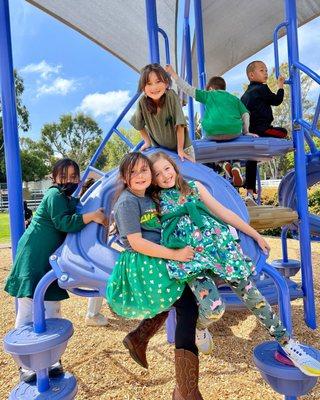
10 129
166 45
283 296
300 166
152 26
284 233
188 58
39 323
200 48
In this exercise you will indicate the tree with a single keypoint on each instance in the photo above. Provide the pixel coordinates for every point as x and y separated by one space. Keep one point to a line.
34 163
23 121
116 147
75 137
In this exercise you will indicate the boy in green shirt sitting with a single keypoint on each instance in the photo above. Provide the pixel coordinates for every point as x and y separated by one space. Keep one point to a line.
225 118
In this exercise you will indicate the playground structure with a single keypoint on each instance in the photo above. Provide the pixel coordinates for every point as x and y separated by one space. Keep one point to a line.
86 260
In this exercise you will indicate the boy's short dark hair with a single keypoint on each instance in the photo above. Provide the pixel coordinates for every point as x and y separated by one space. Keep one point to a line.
251 67
216 83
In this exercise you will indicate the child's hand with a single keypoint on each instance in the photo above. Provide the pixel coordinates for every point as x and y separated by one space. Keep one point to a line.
184 255
264 246
251 134
168 68
281 80
145 146
99 217
184 155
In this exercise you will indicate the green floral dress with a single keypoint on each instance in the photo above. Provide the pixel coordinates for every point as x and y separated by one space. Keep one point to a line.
139 286
187 221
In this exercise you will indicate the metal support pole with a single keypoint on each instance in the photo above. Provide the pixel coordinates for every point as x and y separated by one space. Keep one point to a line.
200 48
152 27
300 166
284 244
10 129
188 58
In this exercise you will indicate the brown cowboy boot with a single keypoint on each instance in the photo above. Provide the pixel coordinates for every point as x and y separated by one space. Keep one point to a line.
137 340
187 376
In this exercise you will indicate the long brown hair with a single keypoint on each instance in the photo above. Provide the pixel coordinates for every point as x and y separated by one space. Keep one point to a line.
181 183
144 79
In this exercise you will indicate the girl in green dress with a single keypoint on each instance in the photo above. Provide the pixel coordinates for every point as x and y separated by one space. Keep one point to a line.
139 286
190 216
54 218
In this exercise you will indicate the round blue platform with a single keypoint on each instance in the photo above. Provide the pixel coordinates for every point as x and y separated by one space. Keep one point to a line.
25 341
39 350
287 269
63 387
284 379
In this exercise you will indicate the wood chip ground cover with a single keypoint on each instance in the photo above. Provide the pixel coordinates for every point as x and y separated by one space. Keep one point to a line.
104 370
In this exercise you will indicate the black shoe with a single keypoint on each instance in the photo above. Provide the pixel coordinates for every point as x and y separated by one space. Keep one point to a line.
27 375
56 370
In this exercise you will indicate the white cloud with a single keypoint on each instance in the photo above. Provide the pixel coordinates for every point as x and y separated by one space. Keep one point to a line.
44 69
107 104
58 86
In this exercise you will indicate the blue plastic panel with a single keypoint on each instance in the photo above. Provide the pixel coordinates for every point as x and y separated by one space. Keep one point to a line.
242 148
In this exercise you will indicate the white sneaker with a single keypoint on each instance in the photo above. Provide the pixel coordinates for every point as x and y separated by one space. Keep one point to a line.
302 360
96 320
250 200
204 341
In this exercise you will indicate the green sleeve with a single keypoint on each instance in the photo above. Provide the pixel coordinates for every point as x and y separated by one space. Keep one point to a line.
242 108
62 212
179 118
202 95
137 120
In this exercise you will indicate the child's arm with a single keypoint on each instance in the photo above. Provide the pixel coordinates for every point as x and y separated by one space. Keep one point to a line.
180 144
230 217
144 246
275 99
199 95
64 220
138 122
183 85
97 216
145 136
245 125
245 122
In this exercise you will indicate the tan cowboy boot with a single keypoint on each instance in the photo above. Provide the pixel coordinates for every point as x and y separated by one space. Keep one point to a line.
187 376
137 340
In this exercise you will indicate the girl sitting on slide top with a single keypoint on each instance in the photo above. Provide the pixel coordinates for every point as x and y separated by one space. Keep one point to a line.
159 116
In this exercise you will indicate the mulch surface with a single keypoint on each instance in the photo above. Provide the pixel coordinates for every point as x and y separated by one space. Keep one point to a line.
104 370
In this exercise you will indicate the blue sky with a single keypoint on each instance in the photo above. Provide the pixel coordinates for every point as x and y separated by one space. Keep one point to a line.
65 72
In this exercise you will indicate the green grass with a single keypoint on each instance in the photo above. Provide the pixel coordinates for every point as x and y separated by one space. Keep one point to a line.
4 228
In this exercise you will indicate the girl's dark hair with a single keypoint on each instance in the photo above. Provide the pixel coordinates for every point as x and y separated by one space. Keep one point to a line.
126 166
144 79
181 183
60 168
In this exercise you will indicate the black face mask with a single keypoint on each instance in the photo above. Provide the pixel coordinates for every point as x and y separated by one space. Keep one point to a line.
68 188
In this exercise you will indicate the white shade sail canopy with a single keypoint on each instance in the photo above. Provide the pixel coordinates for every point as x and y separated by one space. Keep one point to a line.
236 29
118 26
233 29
